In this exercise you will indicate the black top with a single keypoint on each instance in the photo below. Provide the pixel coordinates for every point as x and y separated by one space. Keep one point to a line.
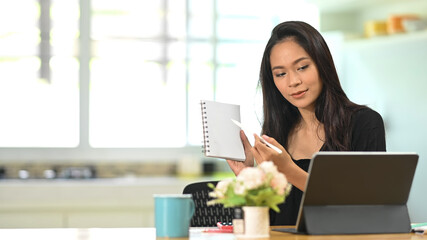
368 134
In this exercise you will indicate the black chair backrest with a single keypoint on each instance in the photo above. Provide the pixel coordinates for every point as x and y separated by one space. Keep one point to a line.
206 216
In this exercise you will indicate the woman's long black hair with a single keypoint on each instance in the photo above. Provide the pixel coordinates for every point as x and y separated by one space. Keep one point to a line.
333 108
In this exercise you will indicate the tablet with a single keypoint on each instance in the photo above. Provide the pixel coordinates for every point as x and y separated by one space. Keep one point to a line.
356 193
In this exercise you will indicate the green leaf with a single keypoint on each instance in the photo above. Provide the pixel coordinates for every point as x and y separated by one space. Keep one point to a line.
235 201
211 185
274 201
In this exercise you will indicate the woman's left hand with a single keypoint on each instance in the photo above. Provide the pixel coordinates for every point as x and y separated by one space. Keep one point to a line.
262 153
295 175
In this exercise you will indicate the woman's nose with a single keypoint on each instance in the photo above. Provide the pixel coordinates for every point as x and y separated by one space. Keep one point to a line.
294 80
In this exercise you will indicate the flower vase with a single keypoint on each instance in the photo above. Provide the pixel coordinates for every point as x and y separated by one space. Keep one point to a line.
257 222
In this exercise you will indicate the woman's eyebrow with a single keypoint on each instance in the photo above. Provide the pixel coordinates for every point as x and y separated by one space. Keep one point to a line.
300 59
295 62
277 67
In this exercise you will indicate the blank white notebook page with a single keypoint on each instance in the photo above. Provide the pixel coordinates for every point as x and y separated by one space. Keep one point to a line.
221 135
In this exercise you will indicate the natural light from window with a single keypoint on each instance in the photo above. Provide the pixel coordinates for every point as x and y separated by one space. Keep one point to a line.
150 64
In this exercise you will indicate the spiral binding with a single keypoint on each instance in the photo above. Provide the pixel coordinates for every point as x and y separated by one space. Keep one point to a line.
205 128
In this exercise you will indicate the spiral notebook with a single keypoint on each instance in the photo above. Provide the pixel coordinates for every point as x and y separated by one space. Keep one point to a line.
221 137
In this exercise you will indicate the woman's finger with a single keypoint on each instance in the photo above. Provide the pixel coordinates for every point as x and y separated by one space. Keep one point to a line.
258 157
273 142
260 146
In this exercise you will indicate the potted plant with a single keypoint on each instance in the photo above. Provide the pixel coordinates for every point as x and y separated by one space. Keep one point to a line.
256 190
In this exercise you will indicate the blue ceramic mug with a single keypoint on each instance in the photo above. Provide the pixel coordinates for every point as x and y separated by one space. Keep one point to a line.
173 214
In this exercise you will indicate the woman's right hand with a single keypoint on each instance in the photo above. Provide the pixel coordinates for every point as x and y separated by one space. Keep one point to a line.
237 166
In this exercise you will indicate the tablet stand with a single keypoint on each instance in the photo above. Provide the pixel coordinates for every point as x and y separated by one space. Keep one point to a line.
356 219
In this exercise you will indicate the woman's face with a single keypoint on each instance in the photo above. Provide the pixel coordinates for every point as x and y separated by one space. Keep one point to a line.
295 74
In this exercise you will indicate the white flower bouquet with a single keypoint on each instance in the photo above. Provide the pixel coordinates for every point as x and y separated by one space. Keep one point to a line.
263 185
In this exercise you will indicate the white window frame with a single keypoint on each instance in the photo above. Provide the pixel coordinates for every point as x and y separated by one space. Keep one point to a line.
84 152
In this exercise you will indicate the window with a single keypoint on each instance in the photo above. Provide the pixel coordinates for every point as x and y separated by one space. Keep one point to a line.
106 79
39 74
138 74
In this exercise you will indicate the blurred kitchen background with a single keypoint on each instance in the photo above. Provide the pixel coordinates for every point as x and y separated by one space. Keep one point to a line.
99 99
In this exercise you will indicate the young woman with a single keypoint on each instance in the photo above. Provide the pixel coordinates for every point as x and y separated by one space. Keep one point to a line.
305 111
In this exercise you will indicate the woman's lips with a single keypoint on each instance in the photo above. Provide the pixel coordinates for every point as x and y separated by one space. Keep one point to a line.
299 94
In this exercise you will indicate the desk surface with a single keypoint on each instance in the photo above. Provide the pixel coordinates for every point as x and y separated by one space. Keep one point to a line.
150 233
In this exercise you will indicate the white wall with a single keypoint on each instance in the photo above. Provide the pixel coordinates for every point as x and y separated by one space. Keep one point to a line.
389 74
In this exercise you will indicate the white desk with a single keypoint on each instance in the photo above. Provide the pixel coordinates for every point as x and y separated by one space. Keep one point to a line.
150 234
